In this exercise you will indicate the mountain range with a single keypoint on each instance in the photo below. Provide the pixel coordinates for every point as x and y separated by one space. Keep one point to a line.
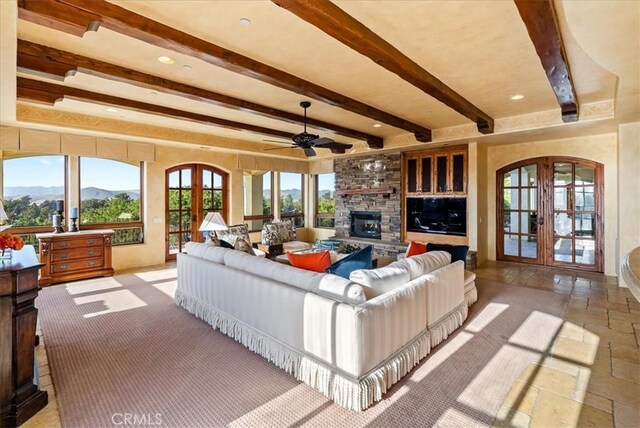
39 194
295 193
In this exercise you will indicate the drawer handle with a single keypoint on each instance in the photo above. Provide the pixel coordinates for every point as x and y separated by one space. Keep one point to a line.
64 256
63 267
91 253
92 242
92 264
64 245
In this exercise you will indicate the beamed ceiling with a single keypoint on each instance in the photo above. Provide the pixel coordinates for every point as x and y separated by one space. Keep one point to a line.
429 72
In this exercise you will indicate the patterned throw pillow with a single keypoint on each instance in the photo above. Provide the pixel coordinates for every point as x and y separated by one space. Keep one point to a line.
278 232
244 246
212 239
234 232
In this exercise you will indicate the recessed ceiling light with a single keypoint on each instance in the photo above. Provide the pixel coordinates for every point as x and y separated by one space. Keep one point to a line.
166 59
377 125
516 97
245 22
186 67
112 110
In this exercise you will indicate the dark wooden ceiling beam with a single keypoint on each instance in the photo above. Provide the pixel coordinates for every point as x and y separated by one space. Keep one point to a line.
39 91
54 62
123 21
539 16
329 18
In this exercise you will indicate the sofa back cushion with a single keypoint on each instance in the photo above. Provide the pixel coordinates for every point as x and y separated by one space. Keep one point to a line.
379 281
333 287
206 251
424 263
233 233
278 232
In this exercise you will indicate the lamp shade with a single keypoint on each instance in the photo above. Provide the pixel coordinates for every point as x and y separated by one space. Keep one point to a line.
213 221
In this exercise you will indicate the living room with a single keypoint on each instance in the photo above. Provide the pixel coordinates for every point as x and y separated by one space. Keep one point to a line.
142 118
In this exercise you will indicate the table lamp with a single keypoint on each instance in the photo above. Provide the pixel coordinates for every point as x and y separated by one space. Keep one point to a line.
212 223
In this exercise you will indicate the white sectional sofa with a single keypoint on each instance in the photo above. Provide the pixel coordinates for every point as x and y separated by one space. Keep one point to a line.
349 340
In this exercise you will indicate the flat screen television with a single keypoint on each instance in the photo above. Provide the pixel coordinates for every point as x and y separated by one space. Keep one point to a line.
446 216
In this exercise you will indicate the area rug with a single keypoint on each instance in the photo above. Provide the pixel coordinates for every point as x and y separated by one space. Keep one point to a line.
119 348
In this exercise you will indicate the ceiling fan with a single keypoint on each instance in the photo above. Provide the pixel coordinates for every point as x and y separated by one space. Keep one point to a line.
307 141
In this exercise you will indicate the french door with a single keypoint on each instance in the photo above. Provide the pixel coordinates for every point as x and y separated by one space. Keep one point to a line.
192 191
550 212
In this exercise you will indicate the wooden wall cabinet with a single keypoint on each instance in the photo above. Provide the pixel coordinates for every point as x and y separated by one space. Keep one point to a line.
436 172
75 255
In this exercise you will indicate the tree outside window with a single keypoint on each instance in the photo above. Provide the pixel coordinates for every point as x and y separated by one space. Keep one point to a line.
325 200
292 197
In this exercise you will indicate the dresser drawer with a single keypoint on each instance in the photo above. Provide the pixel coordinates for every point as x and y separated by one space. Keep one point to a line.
62 267
77 243
77 253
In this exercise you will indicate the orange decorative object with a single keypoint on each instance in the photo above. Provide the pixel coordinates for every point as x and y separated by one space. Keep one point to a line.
416 248
8 240
316 262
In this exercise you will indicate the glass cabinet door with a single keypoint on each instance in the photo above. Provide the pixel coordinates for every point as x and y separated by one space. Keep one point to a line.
442 173
412 175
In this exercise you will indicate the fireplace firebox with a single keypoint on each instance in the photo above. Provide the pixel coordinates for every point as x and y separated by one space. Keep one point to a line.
366 224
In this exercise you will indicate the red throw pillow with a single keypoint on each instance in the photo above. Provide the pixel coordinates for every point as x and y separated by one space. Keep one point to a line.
416 248
316 262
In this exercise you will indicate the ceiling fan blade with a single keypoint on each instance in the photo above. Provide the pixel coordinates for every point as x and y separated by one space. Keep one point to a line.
278 141
318 142
279 148
309 151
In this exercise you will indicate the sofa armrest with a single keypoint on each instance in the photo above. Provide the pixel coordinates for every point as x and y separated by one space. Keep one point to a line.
445 291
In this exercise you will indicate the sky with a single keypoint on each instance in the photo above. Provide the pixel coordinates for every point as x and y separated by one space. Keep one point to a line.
48 171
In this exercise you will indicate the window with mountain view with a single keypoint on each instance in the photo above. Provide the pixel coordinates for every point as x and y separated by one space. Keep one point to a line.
31 185
292 198
110 194
325 200
258 197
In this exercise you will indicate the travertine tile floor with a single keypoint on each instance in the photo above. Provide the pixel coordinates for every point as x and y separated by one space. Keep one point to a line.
589 377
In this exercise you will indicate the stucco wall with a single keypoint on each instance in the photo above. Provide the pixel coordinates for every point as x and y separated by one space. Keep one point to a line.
628 190
599 148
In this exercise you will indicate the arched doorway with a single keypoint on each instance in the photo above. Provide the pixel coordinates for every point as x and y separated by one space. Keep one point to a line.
549 212
191 191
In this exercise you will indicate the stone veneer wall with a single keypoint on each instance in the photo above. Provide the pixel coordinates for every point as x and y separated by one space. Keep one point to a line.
351 173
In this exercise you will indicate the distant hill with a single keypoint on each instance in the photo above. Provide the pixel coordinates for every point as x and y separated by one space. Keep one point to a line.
40 193
295 193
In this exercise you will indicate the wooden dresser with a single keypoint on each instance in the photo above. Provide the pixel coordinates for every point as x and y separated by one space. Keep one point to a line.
20 394
75 255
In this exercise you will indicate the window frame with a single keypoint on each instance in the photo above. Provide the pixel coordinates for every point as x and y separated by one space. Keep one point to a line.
30 230
263 217
318 215
118 225
294 216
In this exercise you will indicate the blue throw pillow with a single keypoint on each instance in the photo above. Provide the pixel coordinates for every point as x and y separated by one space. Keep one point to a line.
360 259
458 252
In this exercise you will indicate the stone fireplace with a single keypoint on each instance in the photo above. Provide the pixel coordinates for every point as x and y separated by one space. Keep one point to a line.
370 184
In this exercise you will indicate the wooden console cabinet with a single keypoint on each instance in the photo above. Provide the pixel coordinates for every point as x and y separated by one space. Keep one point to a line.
20 397
75 255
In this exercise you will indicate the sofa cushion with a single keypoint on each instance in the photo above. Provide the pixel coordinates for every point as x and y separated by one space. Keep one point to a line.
458 252
234 232
341 289
379 281
317 261
278 232
360 259
424 263
416 248
293 246
206 251
469 277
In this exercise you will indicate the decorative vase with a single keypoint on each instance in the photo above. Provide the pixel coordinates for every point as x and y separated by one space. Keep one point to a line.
5 253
